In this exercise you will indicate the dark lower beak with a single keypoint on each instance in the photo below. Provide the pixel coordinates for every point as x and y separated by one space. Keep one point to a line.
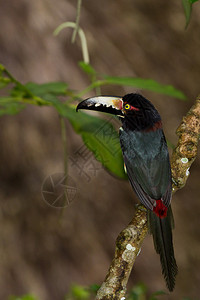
108 104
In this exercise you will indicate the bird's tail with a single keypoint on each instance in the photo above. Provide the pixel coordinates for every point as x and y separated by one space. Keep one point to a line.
161 229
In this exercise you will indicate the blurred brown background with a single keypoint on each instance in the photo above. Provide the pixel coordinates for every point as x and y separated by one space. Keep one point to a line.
43 250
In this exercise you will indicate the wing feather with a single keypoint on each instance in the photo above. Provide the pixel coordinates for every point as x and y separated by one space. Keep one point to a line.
147 162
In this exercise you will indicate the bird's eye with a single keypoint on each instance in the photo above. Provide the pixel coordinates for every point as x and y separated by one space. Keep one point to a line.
127 106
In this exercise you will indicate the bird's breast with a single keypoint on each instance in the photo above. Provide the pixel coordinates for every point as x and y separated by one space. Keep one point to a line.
145 144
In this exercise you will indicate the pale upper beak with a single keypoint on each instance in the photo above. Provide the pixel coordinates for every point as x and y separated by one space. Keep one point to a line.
108 104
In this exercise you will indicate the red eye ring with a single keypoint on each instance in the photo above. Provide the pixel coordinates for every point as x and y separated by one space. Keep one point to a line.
134 108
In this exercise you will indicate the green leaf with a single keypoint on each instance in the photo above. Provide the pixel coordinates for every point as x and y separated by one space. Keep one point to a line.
148 84
99 136
2 68
32 93
192 1
87 68
8 106
53 88
20 92
39 94
158 293
79 292
187 6
4 82
26 297
94 288
138 292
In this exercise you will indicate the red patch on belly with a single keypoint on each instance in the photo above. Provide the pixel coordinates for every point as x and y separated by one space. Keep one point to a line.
160 209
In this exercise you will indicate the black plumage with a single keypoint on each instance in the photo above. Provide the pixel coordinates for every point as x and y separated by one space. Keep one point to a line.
147 163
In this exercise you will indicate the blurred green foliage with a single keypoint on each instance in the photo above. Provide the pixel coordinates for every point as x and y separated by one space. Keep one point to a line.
15 96
25 297
187 6
78 292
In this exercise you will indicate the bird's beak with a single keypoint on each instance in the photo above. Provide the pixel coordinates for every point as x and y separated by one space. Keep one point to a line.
108 104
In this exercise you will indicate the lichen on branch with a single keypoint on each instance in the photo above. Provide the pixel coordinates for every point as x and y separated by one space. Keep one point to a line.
186 150
128 245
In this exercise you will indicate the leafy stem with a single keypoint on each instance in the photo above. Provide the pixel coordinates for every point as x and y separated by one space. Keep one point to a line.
18 84
78 13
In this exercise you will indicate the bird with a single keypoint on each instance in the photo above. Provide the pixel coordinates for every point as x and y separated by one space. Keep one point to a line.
146 159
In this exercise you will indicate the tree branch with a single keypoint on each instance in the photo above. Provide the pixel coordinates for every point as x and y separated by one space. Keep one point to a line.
128 246
129 241
186 150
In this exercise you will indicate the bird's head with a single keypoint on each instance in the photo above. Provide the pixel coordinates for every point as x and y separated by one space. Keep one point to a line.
135 111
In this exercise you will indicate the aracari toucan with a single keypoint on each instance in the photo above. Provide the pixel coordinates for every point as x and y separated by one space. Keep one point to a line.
147 163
